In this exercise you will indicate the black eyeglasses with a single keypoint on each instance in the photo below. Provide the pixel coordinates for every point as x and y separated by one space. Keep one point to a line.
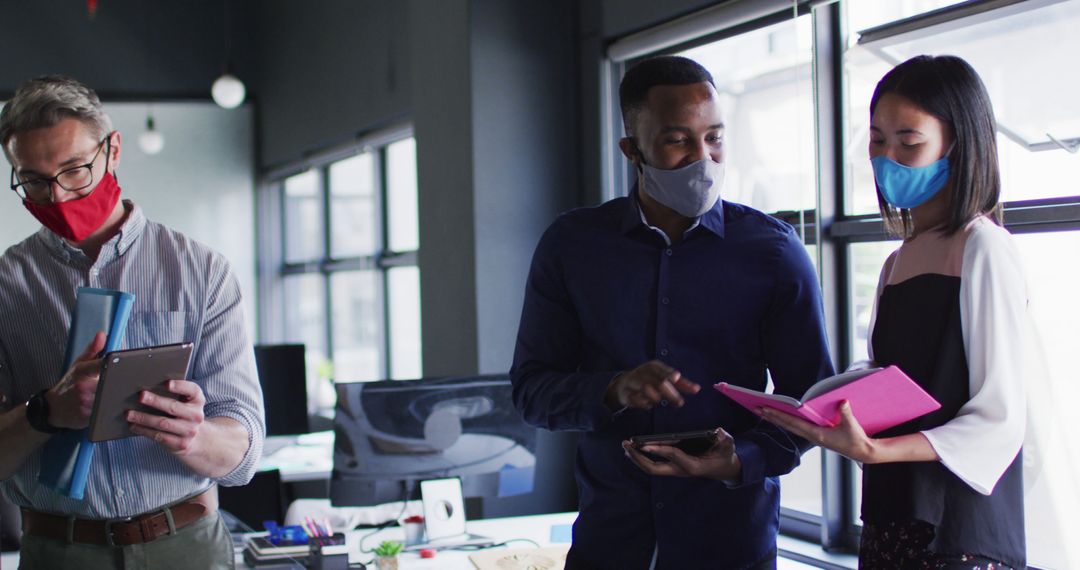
73 179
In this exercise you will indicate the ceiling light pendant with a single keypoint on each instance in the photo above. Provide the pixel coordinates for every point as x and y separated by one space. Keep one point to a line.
151 141
228 91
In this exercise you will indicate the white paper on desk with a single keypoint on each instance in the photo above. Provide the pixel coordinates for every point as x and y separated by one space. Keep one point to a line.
547 558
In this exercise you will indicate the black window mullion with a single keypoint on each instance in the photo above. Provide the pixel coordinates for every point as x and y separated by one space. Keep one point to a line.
383 292
324 267
836 485
284 238
1020 217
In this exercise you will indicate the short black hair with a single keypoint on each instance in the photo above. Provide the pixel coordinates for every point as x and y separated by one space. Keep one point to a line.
948 88
648 73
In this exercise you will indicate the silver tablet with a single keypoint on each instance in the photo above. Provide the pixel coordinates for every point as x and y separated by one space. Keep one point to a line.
126 373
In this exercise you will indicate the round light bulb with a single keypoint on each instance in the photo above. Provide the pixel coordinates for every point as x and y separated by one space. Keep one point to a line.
151 141
228 91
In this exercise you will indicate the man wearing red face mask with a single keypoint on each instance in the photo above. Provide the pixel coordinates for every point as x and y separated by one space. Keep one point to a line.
150 501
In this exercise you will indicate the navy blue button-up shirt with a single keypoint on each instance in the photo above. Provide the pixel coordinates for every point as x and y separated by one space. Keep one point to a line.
735 298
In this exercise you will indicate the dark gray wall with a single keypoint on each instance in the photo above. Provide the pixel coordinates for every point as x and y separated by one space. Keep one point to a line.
443 124
131 49
496 125
524 152
331 69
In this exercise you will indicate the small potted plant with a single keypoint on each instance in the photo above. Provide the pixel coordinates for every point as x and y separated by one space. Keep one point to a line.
387 554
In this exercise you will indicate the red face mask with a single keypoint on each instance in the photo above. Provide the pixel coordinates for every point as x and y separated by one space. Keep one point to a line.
75 220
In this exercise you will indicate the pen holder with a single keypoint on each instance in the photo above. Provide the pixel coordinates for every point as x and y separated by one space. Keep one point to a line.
329 553
414 530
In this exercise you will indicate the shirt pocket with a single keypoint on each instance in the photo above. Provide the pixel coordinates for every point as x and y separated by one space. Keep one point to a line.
153 328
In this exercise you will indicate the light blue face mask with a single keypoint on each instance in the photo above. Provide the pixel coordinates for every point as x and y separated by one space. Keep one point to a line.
906 186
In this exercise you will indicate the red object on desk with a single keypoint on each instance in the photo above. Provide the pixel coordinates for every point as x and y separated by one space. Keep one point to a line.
427 553
414 519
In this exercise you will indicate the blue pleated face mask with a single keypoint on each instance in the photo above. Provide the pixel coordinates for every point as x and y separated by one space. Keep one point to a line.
907 186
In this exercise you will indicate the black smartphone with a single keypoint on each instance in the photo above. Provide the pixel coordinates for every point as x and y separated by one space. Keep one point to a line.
690 442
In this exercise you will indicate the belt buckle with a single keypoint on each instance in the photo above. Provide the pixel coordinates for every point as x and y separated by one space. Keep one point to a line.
109 529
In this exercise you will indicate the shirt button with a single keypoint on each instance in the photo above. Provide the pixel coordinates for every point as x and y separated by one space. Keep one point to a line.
659 506
665 300
120 492
668 251
663 352
663 403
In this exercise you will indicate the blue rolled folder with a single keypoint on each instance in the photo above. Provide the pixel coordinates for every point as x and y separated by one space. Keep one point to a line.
65 461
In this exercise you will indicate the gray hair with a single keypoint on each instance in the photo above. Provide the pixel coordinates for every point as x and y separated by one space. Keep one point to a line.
45 101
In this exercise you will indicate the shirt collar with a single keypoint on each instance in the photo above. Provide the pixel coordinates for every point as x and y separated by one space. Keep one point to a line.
713 220
117 245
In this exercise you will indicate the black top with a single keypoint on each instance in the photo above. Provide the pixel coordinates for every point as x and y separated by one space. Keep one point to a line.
918 328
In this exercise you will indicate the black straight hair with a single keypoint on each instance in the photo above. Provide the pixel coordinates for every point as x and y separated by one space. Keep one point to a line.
648 73
948 88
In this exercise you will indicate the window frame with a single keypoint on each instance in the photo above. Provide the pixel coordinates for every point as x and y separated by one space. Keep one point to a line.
275 268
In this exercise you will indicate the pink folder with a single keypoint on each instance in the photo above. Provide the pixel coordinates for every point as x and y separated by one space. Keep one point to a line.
880 399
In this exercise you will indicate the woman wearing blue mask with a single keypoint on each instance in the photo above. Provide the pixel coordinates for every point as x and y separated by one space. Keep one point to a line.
944 490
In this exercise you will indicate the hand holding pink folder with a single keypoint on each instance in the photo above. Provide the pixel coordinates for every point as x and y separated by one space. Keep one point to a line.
880 398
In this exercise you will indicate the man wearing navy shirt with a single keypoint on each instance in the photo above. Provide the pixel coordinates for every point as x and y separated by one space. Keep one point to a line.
635 307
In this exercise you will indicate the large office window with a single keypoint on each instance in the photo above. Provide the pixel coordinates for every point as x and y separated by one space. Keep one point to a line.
795 87
347 278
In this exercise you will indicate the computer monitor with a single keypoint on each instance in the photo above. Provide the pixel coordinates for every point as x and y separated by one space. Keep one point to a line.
283 376
391 435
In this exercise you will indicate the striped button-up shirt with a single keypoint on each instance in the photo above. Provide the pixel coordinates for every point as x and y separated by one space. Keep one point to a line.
184 291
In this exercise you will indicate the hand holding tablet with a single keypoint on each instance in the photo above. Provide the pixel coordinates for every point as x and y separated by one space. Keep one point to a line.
120 401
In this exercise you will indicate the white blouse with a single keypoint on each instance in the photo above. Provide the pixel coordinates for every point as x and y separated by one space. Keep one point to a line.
980 443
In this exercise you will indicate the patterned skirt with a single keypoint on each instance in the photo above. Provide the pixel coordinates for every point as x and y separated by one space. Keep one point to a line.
903 546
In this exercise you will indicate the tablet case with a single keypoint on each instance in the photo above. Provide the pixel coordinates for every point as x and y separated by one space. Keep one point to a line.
126 373
65 459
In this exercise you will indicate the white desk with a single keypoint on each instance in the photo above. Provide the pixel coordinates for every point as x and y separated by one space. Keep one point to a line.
536 528
307 457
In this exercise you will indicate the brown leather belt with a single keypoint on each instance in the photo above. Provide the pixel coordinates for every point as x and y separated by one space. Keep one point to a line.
135 530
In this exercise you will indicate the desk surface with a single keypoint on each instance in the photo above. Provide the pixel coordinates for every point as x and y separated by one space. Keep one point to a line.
308 457
536 528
